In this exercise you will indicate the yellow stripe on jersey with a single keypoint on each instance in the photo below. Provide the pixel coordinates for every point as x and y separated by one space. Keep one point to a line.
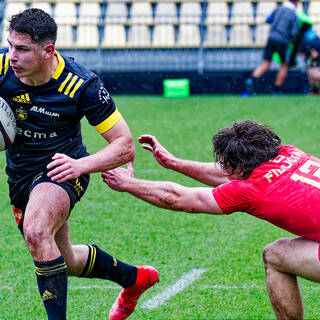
76 87
6 64
109 122
74 79
63 84
60 67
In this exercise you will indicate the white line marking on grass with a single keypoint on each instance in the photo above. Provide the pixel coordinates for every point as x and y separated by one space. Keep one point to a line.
165 295
215 286
7 288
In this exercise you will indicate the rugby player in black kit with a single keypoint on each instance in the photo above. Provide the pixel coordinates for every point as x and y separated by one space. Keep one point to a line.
48 166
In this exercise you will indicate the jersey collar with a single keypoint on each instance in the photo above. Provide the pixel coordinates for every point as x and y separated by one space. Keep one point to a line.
60 67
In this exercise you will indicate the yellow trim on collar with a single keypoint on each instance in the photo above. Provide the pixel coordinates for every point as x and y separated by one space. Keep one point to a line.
108 123
6 64
60 67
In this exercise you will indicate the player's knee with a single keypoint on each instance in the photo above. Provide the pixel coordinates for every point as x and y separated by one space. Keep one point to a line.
35 236
272 252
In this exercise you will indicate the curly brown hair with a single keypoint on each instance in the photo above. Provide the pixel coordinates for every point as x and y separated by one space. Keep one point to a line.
244 146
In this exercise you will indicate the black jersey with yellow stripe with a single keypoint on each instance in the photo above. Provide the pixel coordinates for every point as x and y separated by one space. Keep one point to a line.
48 116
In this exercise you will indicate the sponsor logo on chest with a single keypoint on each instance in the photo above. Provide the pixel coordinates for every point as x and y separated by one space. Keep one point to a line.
35 135
43 110
22 114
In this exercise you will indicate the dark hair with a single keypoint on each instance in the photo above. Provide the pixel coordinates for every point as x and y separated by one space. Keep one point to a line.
35 23
244 146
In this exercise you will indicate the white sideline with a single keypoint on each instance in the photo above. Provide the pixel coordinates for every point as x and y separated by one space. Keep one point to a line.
215 287
165 295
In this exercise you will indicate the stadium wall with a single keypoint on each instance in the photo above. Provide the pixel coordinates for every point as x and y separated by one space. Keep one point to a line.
226 82
216 71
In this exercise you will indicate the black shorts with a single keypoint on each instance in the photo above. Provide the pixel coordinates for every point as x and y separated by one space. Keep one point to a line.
275 46
20 187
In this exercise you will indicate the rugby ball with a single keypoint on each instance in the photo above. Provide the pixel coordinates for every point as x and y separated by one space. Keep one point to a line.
7 125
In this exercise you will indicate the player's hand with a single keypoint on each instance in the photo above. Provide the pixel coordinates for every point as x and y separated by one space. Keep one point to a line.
161 154
63 168
117 178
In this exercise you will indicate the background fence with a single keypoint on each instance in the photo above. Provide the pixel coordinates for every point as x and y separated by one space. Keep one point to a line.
168 36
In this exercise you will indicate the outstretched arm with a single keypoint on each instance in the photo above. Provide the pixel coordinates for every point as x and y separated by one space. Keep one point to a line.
209 173
163 194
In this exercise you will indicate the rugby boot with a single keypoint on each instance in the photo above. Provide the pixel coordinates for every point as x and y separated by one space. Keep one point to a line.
124 305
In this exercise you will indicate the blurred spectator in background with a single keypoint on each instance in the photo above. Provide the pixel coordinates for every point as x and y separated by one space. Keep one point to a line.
310 45
284 28
313 71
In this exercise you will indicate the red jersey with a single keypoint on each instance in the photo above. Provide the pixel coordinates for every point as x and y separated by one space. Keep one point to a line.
284 191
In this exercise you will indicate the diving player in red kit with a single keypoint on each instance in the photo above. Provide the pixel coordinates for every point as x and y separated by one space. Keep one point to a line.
255 174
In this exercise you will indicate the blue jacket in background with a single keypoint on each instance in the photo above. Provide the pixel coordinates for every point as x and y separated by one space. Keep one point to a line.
284 23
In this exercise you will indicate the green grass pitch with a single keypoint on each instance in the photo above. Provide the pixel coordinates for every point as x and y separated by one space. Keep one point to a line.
229 248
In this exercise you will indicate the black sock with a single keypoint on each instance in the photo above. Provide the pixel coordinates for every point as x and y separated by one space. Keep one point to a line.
101 265
276 88
52 281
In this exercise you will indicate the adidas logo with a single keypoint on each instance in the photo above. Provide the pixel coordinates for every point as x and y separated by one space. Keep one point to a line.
47 295
24 98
